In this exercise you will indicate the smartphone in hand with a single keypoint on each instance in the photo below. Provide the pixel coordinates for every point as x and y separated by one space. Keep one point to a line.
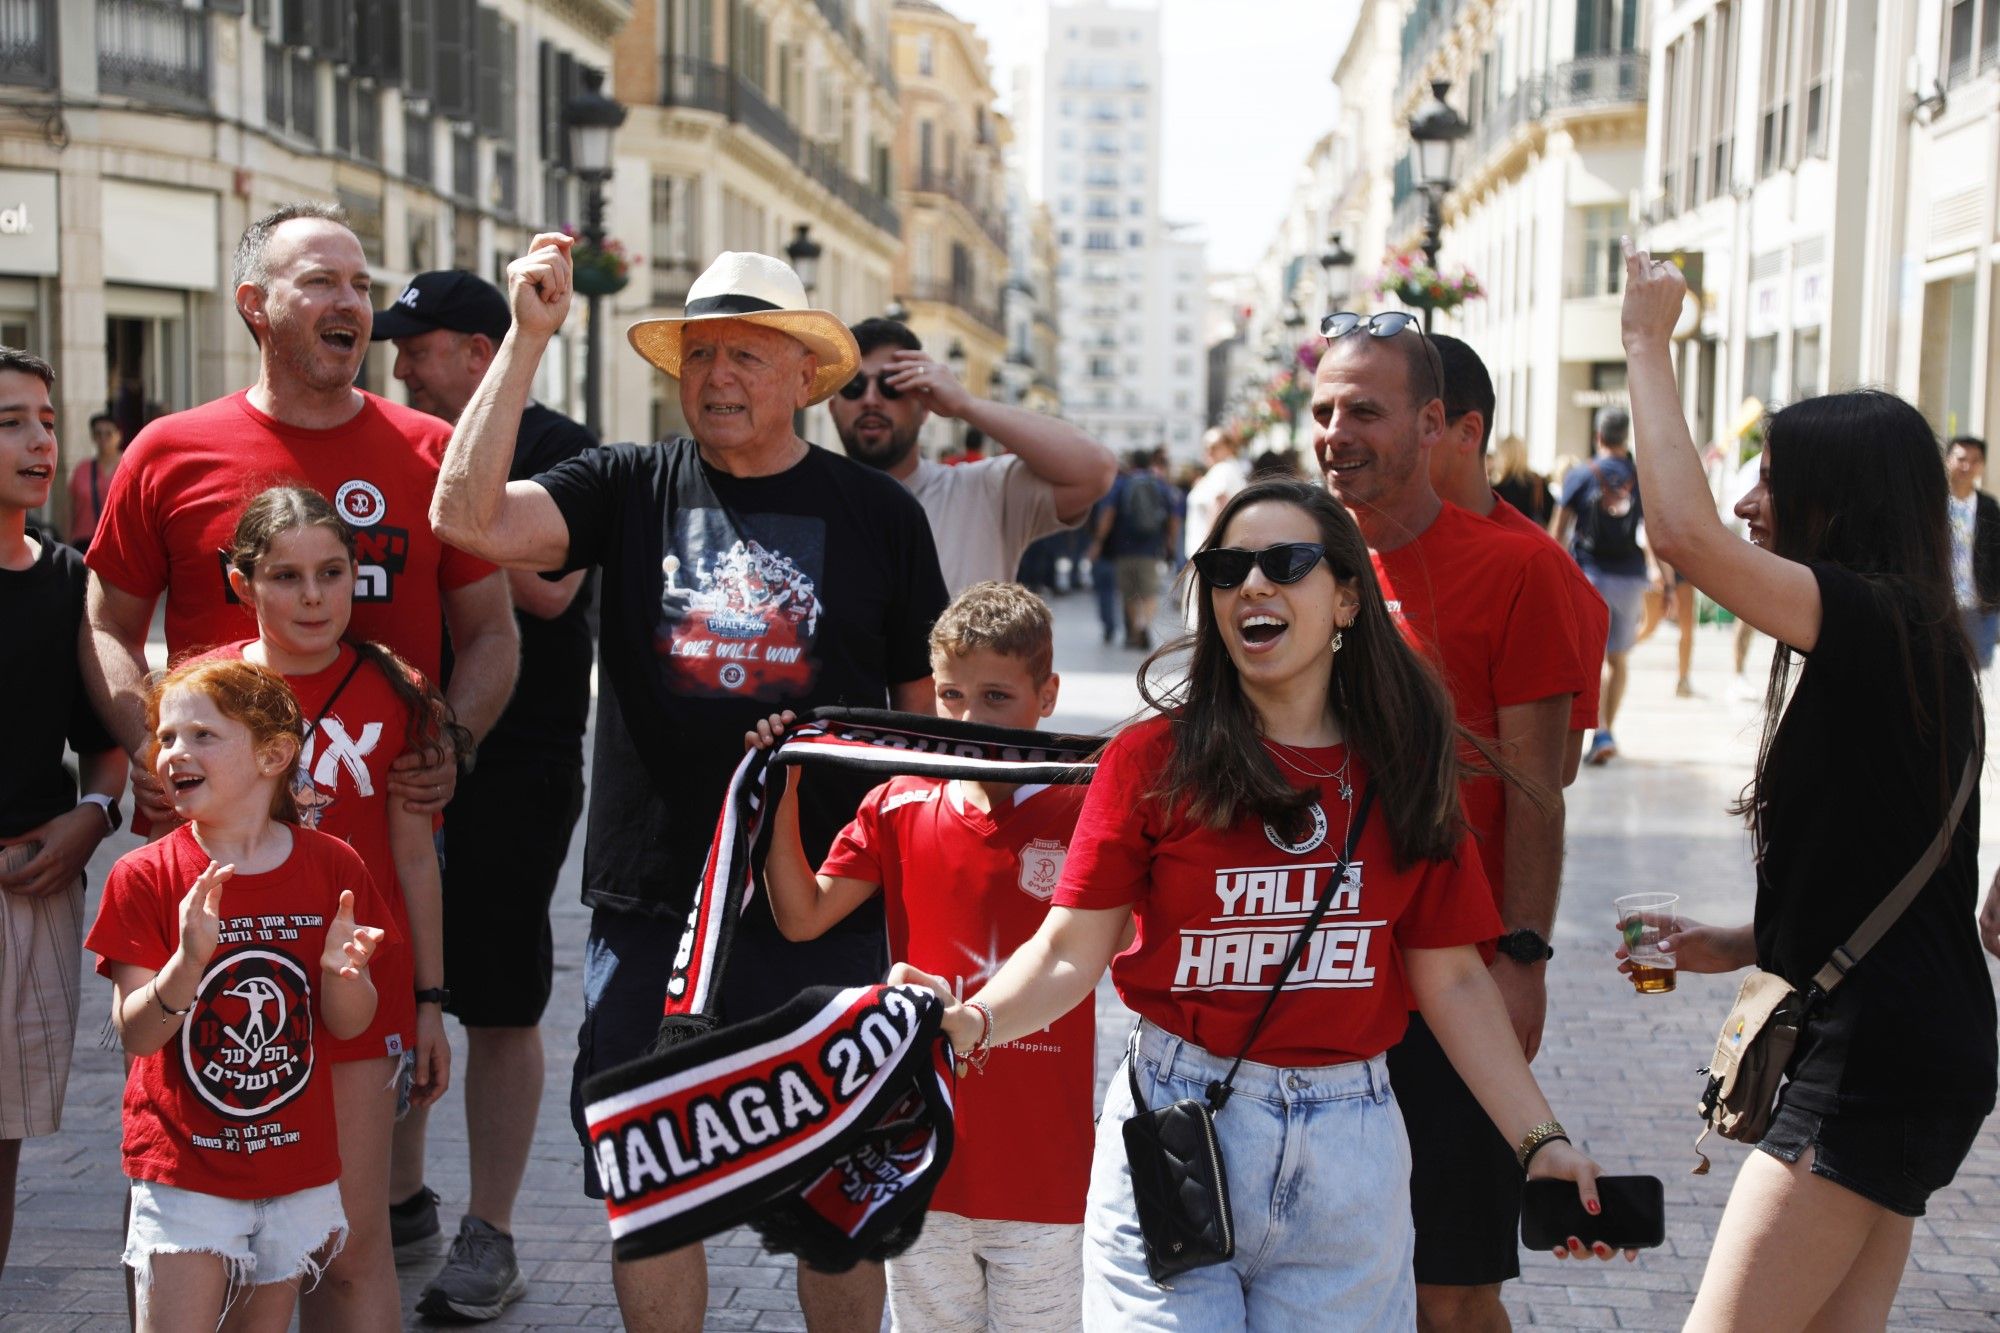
1634 1215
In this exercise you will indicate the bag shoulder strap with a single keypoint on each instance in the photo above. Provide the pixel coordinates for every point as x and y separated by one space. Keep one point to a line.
1886 912
1218 1092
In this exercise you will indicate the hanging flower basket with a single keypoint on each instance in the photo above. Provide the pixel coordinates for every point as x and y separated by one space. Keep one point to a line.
601 270
1411 280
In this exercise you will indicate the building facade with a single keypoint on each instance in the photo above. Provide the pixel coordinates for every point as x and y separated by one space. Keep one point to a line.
749 119
143 135
1556 96
1132 369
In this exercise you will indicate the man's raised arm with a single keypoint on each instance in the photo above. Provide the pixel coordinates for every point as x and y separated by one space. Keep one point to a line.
475 507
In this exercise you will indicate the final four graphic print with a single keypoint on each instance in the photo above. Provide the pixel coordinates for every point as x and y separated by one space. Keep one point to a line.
739 604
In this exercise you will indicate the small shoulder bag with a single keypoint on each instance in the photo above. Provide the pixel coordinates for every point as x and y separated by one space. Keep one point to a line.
1178 1182
1757 1040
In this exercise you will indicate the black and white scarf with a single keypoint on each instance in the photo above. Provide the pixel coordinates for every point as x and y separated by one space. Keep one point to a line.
869 740
825 1125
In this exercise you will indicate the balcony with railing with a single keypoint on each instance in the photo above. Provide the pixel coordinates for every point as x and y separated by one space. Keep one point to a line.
698 84
156 50
28 43
706 87
966 192
837 16
1598 80
960 296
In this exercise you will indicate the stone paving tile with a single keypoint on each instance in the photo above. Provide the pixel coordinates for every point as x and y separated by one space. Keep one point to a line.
1618 1067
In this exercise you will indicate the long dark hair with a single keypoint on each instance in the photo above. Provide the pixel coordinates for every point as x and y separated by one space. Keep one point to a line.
283 509
1393 708
1858 481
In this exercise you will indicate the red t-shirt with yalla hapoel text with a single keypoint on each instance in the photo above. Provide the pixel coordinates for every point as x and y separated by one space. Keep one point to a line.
1216 911
1492 610
238 1104
962 889
180 488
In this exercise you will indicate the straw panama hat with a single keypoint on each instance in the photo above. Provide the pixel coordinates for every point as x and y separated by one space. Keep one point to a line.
758 290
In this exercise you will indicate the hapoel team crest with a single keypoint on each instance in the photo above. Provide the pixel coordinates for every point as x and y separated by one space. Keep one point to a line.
1312 840
248 1047
1042 867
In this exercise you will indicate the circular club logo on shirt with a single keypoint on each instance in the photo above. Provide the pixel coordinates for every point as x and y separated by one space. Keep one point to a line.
360 503
1042 867
248 1048
1309 842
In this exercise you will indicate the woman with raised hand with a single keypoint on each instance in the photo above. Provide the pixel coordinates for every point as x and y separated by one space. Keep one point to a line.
1304 731
1874 709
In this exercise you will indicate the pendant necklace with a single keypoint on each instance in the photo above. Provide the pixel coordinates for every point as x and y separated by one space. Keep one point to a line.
1292 759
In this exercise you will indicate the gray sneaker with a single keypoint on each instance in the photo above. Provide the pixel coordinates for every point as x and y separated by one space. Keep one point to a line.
413 1226
479 1278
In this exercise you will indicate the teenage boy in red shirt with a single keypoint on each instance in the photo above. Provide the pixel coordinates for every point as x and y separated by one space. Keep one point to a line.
966 871
1493 612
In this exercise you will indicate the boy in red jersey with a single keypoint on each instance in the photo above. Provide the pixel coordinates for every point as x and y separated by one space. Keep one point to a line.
966 871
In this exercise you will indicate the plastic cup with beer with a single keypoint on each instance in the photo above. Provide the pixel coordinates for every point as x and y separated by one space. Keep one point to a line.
1643 920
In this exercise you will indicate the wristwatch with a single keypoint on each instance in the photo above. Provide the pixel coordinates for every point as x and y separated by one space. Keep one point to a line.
436 995
1525 946
108 807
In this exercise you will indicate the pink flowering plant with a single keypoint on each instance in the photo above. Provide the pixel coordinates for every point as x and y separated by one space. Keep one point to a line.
600 269
1408 278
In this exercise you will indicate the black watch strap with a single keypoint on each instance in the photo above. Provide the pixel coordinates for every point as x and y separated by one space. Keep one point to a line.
1525 946
436 995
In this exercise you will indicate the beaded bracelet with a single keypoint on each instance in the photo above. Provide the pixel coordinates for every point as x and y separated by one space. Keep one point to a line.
974 1060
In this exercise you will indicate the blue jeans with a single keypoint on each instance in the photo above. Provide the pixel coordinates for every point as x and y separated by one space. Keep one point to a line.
1319 1183
1981 627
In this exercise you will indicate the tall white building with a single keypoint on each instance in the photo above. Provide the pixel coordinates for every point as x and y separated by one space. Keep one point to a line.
1131 288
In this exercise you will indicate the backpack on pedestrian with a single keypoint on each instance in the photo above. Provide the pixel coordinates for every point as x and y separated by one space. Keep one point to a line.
1143 510
1607 529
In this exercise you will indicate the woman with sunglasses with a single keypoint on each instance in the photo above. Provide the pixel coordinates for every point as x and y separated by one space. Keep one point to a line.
1848 566
1210 832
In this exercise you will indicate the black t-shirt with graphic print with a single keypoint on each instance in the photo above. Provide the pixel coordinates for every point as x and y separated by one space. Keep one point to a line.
725 599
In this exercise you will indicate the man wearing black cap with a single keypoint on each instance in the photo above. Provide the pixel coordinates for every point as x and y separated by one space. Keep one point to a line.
507 832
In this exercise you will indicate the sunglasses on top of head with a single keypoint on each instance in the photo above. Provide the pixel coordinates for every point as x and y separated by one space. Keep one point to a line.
1385 325
1286 562
856 387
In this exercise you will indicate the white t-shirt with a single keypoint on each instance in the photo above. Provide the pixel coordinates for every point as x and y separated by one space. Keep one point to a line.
983 515
1206 498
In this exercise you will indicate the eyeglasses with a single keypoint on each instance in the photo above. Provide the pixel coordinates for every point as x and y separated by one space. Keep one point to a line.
1385 325
856 387
1287 562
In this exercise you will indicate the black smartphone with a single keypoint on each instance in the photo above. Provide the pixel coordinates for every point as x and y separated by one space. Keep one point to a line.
1634 1215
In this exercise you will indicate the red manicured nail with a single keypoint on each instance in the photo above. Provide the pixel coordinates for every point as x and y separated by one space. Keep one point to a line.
1594 1206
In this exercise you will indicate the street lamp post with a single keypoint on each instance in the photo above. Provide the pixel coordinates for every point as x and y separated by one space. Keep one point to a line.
896 310
1335 258
955 358
804 252
1294 394
591 119
1435 132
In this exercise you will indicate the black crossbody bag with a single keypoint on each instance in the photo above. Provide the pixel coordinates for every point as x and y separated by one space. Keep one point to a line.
1178 1183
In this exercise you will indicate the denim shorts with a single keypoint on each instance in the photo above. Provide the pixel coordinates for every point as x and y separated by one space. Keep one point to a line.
1896 1159
262 1240
1319 1183
1625 596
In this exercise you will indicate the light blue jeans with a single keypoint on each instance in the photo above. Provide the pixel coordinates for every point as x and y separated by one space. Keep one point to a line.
1319 1184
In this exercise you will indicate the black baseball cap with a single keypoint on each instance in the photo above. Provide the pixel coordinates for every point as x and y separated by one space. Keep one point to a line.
448 298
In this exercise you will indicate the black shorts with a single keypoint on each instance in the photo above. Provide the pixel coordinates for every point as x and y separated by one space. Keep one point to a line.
1894 1158
506 834
1465 1183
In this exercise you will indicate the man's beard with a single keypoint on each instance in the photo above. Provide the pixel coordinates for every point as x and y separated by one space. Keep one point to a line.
882 457
311 361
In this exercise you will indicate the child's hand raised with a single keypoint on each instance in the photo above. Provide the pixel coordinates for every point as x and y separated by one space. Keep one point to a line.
201 914
348 946
769 731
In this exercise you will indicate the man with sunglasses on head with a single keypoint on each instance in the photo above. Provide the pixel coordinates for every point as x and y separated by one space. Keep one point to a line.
1493 612
983 512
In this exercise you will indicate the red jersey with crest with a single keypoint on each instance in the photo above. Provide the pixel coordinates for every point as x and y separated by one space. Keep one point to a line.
237 1104
1492 610
1216 911
962 890
1593 617
359 725
180 488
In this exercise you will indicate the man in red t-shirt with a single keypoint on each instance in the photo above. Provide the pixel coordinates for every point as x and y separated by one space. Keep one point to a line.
1458 475
302 289
1492 611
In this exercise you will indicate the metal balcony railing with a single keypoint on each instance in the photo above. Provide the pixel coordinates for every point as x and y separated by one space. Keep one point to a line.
153 49
1616 76
694 83
960 295
768 120
961 188
28 42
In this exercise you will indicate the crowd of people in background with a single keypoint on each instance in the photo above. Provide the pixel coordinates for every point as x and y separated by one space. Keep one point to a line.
359 765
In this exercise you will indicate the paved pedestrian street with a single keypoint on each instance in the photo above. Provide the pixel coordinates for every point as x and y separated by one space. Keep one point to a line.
1620 1068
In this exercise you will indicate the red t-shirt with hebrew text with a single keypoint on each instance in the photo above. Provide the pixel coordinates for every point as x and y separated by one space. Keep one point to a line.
1492 611
180 488
1216 912
238 1104
1593 617
962 889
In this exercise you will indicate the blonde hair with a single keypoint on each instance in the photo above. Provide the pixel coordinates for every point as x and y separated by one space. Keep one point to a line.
1002 617
1510 459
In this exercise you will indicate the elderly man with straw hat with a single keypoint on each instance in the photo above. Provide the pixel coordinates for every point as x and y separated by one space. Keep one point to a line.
745 571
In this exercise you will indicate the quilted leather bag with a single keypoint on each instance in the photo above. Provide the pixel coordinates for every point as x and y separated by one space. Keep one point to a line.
1178 1182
